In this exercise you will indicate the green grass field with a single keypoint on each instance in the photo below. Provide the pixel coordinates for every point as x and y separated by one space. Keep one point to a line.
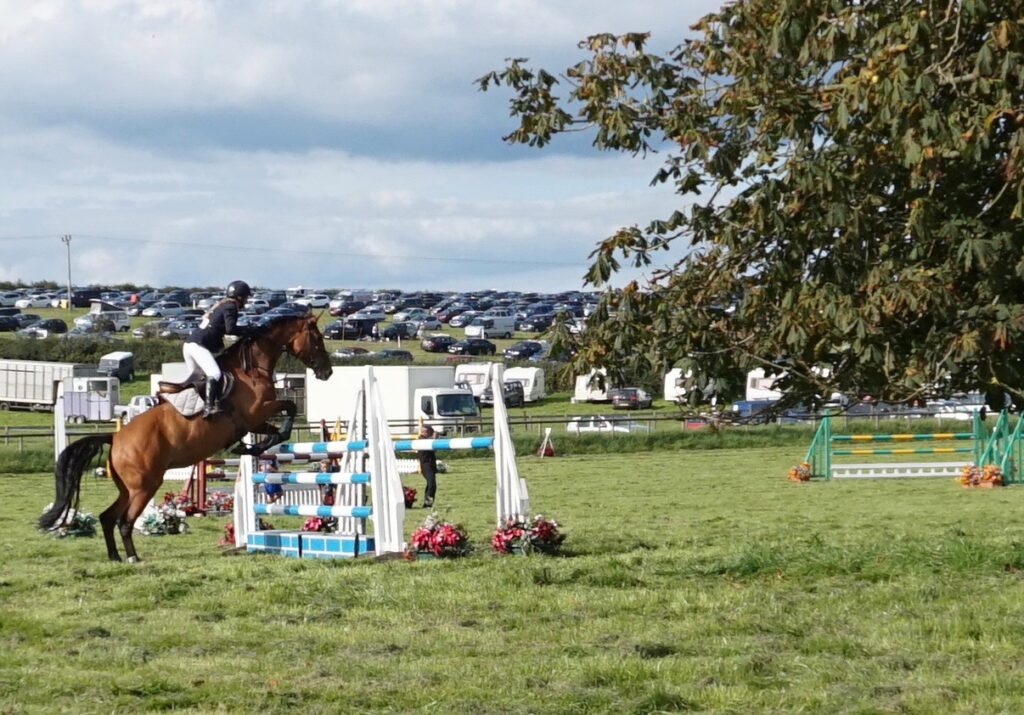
693 581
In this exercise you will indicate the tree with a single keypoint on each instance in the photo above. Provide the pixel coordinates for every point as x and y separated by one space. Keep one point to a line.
851 191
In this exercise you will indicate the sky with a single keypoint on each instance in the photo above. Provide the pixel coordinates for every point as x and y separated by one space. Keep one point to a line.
321 143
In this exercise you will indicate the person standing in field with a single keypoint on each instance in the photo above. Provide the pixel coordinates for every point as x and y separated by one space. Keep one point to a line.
428 467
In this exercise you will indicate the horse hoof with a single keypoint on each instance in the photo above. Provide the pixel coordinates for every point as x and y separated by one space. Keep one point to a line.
134 559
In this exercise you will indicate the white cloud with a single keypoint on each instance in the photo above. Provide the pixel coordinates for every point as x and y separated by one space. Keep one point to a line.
138 126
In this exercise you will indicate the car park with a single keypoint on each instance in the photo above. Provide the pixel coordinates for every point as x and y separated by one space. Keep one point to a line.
437 343
630 398
473 346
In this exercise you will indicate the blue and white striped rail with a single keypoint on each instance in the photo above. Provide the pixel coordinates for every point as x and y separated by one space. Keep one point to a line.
407 445
311 478
325 449
357 512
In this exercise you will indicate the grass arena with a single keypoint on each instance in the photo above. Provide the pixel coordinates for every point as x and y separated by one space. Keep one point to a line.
691 580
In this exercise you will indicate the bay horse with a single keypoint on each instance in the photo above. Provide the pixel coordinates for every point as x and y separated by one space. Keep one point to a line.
161 438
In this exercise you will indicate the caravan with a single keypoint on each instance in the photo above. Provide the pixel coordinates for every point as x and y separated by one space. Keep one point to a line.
592 387
475 376
532 379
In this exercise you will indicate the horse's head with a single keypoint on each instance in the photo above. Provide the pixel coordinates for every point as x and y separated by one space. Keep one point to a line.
307 344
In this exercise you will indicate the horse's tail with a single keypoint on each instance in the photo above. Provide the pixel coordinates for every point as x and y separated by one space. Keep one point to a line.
70 465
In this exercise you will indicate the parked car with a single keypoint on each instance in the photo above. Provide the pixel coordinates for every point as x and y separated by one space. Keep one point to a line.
44 328
437 343
411 314
349 353
473 346
371 312
463 319
525 349
403 355
26 319
345 307
257 305
427 323
398 330
315 300
286 309
37 300
88 332
8 323
9 298
630 398
151 329
179 328
348 329
513 393
600 423
163 309
210 301
536 323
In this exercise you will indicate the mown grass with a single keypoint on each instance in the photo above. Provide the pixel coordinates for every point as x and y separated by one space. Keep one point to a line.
692 581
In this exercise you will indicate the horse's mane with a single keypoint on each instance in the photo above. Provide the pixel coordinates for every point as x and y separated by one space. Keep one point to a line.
234 351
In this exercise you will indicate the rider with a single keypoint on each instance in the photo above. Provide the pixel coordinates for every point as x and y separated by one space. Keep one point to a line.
208 338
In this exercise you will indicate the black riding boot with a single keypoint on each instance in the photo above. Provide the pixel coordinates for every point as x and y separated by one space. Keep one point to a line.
212 406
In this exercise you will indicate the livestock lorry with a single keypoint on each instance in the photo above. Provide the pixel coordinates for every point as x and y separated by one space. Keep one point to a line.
32 384
411 394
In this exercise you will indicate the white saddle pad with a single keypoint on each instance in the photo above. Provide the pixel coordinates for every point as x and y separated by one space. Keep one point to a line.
187 402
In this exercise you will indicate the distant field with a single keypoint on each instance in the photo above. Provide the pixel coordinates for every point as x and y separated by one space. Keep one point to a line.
697 581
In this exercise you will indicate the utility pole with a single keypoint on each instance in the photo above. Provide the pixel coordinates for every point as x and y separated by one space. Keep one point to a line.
66 240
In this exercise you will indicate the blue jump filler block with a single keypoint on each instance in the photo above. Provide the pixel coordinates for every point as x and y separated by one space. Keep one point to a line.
335 546
275 541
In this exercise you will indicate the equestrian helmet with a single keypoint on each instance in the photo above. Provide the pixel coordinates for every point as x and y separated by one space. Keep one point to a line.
239 289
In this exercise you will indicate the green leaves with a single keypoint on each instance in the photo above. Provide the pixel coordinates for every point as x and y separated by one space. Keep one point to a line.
851 187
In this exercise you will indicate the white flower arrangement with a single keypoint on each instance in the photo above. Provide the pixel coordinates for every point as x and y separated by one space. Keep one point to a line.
164 519
75 523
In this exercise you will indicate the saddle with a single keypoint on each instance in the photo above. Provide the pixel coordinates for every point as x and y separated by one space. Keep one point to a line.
187 396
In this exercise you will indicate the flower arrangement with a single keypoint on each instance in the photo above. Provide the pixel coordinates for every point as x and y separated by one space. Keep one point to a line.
181 502
220 502
520 534
228 537
441 538
76 523
164 519
316 523
989 475
410 496
800 473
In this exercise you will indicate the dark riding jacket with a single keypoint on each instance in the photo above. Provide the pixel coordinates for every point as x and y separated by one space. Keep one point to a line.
221 321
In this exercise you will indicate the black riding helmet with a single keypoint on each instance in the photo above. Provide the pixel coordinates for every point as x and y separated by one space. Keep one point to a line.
239 289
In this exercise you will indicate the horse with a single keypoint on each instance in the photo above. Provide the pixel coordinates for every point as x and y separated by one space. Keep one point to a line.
161 438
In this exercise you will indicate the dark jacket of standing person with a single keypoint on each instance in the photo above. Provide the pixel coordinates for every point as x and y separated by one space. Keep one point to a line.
428 467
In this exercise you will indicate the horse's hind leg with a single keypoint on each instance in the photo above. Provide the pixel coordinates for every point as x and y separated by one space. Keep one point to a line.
111 517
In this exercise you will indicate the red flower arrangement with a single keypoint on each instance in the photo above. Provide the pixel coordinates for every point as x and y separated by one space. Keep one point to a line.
800 473
316 523
988 476
220 501
519 534
443 539
228 538
410 496
181 502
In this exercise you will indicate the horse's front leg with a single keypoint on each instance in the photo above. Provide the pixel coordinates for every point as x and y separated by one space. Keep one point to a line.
273 435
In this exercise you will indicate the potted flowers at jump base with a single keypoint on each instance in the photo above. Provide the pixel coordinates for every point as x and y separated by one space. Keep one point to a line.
438 539
522 535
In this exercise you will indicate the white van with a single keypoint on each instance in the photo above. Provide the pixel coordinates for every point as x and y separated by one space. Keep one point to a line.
491 326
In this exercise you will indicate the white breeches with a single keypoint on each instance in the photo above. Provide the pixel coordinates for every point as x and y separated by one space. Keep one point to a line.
198 356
